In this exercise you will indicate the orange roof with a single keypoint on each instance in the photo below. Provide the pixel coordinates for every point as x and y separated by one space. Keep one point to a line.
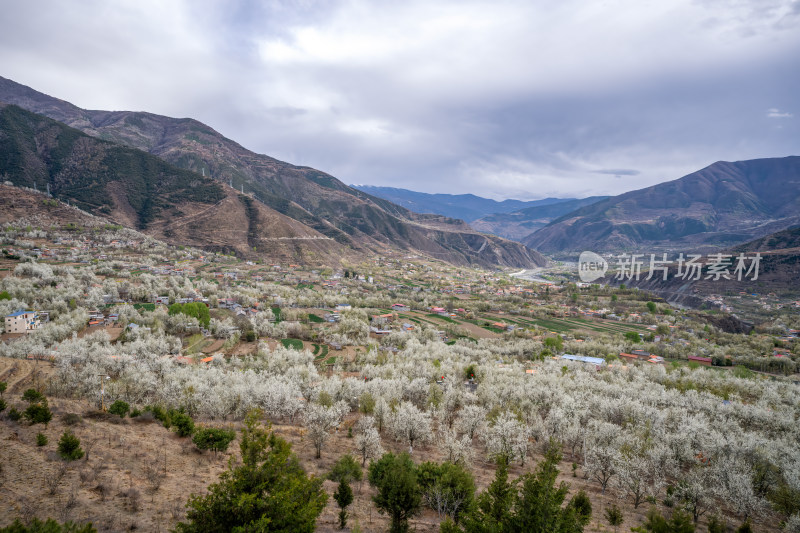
207 360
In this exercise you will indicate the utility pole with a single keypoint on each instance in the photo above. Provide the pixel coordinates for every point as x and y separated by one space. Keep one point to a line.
103 379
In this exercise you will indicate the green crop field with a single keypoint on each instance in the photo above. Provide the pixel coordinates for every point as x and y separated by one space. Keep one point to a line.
294 344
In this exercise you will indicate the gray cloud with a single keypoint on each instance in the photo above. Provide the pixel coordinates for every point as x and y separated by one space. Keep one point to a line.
510 99
618 172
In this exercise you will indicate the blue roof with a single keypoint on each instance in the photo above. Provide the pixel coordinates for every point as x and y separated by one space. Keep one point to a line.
584 359
18 313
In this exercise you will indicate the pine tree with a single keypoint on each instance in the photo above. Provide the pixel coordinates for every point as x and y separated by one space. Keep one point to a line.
269 491
343 497
398 491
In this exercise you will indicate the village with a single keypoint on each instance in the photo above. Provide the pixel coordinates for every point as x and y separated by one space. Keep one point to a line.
485 362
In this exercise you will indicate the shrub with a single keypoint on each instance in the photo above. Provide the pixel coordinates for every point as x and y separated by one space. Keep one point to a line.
14 415
70 419
183 424
216 439
32 396
159 413
3 405
69 447
447 488
345 469
41 439
38 414
49 526
632 336
135 413
119 408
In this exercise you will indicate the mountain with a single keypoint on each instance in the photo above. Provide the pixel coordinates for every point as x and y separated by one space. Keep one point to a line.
361 223
519 224
722 205
141 191
787 241
778 271
466 207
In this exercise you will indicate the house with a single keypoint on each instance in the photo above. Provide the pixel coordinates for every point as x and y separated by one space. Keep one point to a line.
226 303
21 322
343 307
401 308
702 360
596 361
382 319
162 300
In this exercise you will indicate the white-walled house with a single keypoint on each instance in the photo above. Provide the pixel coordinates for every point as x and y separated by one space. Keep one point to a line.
21 322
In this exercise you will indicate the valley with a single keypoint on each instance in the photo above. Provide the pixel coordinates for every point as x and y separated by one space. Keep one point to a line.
624 394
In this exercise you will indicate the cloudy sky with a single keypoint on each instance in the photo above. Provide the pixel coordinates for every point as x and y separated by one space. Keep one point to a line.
502 99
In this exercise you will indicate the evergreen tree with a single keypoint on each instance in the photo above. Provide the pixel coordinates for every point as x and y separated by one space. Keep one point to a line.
493 508
614 516
533 503
38 413
537 507
216 439
120 408
69 447
398 495
269 491
343 497
680 522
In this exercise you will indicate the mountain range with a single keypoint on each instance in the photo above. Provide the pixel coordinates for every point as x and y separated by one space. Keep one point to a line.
778 271
181 181
511 219
318 216
467 207
519 224
724 204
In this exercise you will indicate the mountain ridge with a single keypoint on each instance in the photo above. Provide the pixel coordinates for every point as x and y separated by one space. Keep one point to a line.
519 224
722 205
324 204
467 207
141 191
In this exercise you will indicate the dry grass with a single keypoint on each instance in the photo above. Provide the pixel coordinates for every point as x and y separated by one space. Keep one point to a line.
138 475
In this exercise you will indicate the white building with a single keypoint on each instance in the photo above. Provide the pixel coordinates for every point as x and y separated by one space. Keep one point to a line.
21 322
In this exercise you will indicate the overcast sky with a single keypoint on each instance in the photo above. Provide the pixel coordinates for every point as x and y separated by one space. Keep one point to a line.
501 99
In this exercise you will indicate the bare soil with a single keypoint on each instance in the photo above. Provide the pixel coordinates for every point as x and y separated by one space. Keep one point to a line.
119 485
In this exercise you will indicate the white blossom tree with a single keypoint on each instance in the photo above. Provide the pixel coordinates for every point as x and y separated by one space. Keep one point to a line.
410 424
367 439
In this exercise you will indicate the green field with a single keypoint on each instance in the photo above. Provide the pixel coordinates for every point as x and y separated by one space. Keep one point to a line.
439 317
294 344
320 351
